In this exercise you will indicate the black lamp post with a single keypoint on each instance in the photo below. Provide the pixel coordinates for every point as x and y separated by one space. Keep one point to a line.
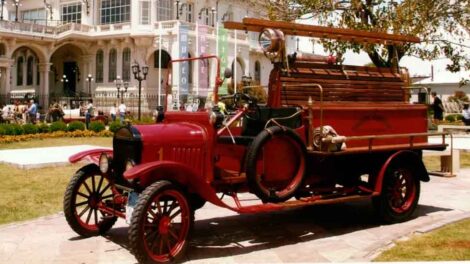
89 79
87 5
139 77
179 9
16 3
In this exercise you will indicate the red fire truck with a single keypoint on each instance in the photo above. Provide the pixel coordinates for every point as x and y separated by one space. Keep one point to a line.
329 133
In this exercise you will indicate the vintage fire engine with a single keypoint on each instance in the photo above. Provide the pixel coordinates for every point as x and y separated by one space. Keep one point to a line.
328 133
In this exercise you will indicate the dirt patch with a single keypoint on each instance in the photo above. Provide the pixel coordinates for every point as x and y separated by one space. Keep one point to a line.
457 244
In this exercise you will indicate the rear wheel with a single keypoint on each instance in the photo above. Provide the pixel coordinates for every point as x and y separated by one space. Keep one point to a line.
276 164
161 223
87 191
400 194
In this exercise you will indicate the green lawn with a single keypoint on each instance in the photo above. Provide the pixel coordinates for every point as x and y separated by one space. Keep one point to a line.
450 243
27 194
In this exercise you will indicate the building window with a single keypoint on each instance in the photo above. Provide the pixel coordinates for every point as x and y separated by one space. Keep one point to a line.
29 71
19 71
166 58
72 13
99 66
257 71
126 64
37 16
144 12
115 11
190 12
164 10
112 65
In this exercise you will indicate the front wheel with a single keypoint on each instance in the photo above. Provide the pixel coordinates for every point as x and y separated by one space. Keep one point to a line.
86 193
160 224
400 194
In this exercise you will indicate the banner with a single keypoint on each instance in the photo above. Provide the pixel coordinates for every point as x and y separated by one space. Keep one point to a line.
223 49
203 64
184 66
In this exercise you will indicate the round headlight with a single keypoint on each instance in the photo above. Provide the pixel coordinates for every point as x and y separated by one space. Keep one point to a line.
129 164
271 40
104 163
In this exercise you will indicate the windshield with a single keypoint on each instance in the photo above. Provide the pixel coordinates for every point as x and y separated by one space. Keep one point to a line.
192 91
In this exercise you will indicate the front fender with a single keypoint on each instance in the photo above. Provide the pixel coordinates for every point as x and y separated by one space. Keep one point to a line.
92 155
151 172
406 157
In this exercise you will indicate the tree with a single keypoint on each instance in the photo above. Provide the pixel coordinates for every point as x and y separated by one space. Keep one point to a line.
442 25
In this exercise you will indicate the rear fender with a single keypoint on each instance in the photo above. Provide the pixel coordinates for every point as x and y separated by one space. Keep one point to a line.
92 155
151 172
406 157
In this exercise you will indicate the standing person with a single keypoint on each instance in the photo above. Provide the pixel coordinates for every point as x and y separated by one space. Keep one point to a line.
112 112
32 111
89 113
437 107
122 112
466 115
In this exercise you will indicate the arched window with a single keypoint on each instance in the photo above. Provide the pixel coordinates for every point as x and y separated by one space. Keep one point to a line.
166 58
112 65
19 71
29 71
257 71
126 64
99 66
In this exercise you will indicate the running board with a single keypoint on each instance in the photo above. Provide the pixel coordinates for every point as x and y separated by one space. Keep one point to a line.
314 200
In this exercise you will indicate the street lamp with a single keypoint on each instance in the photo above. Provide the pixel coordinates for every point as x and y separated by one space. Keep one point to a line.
139 77
89 79
207 14
64 81
213 11
179 9
120 90
17 4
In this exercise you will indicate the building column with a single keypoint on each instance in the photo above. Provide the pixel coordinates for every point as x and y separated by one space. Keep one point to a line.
44 84
87 62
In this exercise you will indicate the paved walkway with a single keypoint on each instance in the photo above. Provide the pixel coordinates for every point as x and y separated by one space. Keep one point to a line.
41 157
334 233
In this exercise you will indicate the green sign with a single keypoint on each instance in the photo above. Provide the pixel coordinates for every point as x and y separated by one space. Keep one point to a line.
223 50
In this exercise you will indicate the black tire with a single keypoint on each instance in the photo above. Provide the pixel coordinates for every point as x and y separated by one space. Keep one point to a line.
81 202
154 205
255 180
400 194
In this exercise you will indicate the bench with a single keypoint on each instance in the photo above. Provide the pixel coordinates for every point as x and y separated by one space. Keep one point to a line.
341 83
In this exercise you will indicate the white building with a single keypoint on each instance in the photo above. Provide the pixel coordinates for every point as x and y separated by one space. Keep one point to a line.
53 48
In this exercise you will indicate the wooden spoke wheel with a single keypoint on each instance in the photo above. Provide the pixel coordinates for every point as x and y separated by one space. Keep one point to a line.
400 194
276 164
84 197
160 224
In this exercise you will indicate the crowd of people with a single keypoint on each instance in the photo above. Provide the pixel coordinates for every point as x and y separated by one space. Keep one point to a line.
20 113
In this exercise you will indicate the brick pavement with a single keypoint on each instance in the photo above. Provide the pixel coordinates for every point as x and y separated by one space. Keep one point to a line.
334 233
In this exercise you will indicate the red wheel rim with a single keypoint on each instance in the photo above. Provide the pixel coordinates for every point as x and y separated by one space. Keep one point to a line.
166 225
401 191
88 198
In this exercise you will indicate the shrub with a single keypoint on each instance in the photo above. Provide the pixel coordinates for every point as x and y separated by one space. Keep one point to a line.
58 126
96 126
3 129
30 129
43 128
75 125
114 126
454 118
17 129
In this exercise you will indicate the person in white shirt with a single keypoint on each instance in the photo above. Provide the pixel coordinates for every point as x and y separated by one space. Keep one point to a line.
466 114
112 112
122 112
89 113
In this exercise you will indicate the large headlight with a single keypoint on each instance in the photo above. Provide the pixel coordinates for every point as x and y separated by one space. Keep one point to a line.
104 163
271 40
